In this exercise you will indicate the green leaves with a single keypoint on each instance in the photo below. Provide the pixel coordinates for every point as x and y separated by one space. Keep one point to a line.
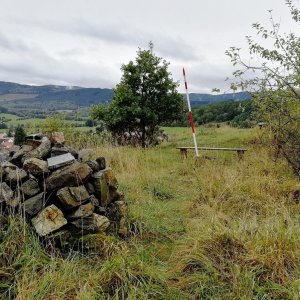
272 76
145 97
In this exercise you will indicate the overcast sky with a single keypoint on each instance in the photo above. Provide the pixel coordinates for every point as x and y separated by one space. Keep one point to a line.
85 42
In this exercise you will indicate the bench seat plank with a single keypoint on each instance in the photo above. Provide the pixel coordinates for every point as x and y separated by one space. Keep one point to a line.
240 151
213 148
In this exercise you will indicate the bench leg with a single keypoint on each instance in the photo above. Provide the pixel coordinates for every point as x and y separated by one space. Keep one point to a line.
183 153
240 154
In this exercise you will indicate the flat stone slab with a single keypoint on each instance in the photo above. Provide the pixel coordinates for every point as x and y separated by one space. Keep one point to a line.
73 175
60 161
93 224
49 219
30 187
71 197
34 205
82 211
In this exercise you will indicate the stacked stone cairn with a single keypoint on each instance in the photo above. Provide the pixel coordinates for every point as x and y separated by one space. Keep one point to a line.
57 191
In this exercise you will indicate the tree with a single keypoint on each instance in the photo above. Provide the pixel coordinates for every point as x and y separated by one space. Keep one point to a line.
20 135
90 123
145 98
273 78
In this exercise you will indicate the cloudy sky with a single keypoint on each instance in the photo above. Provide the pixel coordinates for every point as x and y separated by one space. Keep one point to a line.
84 42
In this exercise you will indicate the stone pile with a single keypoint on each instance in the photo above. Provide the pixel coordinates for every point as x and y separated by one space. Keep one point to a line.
58 191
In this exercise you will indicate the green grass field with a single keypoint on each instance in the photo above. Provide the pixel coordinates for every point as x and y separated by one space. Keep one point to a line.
201 229
31 125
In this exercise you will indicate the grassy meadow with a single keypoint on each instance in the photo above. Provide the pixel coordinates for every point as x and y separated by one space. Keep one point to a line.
200 229
34 124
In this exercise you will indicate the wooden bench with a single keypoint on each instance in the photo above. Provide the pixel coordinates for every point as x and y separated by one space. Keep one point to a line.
240 151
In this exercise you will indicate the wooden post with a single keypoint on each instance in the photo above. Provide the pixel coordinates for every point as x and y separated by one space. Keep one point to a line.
183 153
240 154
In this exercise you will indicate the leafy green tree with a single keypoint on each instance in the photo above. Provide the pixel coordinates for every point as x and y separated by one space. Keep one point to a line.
145 98
273 78
90 123
235 111
20 135
3 125
56 122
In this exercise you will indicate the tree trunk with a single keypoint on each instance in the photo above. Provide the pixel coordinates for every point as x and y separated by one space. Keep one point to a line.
143 137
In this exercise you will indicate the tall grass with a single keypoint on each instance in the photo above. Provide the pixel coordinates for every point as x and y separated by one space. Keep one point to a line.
214 229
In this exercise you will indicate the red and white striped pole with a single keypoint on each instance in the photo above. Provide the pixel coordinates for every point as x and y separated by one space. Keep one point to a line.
190 113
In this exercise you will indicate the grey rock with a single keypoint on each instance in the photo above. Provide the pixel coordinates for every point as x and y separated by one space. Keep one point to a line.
117 212
100 210
3 224
101 188
93 165
34 136
72 175
110 178
57 138
4 155
101 162
14 149
14 176
26 148
82 211
13 203
60 161
71 197
62 239
103 182
9 165
6 193
94 200
41 151
55 151
89 187
34 205
17 158
5 166
30 187
35 166
93 224
48 220
59 150
73 151
115 195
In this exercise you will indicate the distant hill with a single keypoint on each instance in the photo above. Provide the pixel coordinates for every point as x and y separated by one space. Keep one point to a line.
24 99
29 100
203 99
16 88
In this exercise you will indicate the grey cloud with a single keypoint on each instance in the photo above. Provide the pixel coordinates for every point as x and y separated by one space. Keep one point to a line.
9 44
53 73
120 34
204 76
128 35
32 64
45 70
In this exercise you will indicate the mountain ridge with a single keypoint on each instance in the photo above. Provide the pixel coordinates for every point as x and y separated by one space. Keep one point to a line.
17 97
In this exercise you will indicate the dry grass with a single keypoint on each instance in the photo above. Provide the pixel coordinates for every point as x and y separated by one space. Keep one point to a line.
217 229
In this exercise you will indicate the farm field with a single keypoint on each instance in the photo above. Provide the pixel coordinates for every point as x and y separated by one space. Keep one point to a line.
200 229
32 124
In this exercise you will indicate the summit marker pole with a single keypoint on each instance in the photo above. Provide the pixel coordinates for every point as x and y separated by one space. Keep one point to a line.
190 113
